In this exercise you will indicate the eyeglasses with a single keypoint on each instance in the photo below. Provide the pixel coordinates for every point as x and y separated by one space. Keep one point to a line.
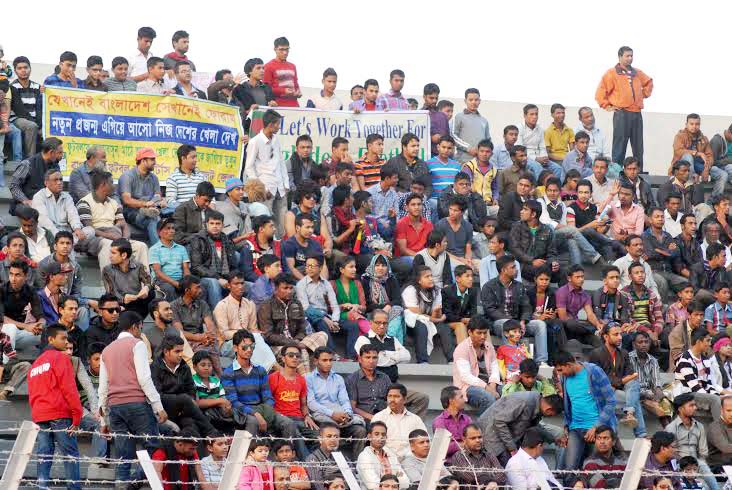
112 310
247 347
379 323
293 355
309 196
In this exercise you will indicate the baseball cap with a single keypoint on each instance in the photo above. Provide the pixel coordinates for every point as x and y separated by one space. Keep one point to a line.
145 153
53 267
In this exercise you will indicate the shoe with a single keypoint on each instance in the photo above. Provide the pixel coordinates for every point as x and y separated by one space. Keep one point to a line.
150 212
544 365
629 420
4 394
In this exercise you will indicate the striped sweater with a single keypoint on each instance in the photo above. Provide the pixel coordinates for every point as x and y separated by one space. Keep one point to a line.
245 390
689 379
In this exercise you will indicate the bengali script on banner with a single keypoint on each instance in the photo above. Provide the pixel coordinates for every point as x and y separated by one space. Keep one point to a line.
123 122
323 126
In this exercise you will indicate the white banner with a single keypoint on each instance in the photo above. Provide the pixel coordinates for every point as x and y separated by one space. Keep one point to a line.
323 126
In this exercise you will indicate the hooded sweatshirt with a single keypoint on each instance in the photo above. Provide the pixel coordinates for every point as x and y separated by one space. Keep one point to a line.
52 391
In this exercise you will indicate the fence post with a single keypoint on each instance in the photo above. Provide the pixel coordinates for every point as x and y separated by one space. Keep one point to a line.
235 460
346 471
636 462
435 460
147 466
18 460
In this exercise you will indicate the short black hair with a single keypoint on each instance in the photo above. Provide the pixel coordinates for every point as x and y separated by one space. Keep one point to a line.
398 386
281 41
430 89
119 60
207 189
154 60
178 35
147 32
200 356
284 278
187 281
562 358
266 260
660 440
63 234
214 215
67 56
94 60
21 59
479 323
123 246
270 117
250 64
241 335
447 394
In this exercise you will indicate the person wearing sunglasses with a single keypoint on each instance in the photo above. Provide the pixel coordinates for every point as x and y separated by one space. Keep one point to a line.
104 328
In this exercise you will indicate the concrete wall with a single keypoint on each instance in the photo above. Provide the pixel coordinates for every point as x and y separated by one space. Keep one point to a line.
659 132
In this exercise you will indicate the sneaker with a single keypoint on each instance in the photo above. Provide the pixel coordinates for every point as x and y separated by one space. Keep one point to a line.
544 365
150 212
629 420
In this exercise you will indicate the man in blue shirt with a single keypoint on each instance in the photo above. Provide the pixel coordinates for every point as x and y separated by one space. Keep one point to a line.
718 315
169 260
297 248
589 402
328 400
66 75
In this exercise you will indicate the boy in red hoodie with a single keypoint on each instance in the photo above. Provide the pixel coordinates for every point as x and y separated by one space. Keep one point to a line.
56 406
281 75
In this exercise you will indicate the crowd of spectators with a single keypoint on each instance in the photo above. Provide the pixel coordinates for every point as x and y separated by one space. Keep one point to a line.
236 310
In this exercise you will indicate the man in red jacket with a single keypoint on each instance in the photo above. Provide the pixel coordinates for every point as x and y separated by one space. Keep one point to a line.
281 75
55 406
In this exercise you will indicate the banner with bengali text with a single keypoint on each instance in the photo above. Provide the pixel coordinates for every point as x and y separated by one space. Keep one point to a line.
123 122
323 126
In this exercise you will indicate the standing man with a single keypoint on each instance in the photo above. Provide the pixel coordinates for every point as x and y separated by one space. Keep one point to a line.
180 48
139 67
26 105
55 407
29 176
127 394
439 123
281 75
470 127
393 100
264 162
139 189
621 91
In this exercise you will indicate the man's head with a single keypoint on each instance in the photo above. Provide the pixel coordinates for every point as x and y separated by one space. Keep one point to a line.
473 438
120 68
523 187
28 217
330 80
531 114
631 167
685 405
586 117
243 344
214 223
611 277
612 335
67 64
581 142
512 331
254 69
63 244
304 226
17 272
410 146
180 42
172 349
641 342
688 224
518 155
530 212
68 307
625 56
95 67
379 322
452 397
673 203
57 336
662 446
356 92
96 158
368 357
696 313
22 67
553 187
414 205
377 435
203 363
183 72
160 310
722 292
462 184
166 229
313 265
700 340
155 68
281 48
711 232
55 274
389 482
478 328
472 99
120 251
186 444
464 276
604 440
599 168
284 286
637 273
370 90
271 121
330 436
146 158
506 266
533 442
102 184
324 359
566 364
437 241
558 113
190 286
131 322
52 150
634 246
693 123
681 170
419 443
431 94
269 265
456 208
145 37
528 371
485 151
657 218
290 357
726 411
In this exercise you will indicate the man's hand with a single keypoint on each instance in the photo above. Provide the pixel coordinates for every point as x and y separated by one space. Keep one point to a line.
310 423
162 416
260 420
491 388
223 283
538 262
473 152
73 429
143 292
611 108
492 486
339 417
562 440
129 298
590 435
27 202
37 328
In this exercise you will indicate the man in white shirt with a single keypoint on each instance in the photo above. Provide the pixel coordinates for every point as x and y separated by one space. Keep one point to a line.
138 68
527 470
265 163
598 142
39 239
371 462
56 209
601 185
531 135
399 421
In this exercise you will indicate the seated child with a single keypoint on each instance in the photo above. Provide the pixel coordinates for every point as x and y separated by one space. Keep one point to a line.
211 396
257 473
511 353
690 467
297 476
213 464
263 287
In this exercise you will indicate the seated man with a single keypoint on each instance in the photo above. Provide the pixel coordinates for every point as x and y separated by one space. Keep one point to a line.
579 159
415 463
459 234
646 307
688 250
634 247
630 179
435 257
23 319
720 442
476 206
718 315
62 254
529 379
527 467
65 316
263 287
609 303
56 209
139 191
509 210
475 455
591 219
626 215
80 183
712 233
532 242
606 464
38 238
104 328
54 278
367 387
476 371
453 418
497 245
305 202
412 230
660 250
391 354
399 421
28 177
505 299
690 193
212 257
180 449
282 321
174 382
298 247
377 460
460 304
321 466
385 199
443 168
328 400
127 279
190 217
247 388
659 461
614 360
192 317
103 222
571 299
261 242
234 312
705 277
169 260
233 209
482 175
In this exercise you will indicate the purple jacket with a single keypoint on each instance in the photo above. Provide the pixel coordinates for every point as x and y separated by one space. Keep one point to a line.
455 427
439 124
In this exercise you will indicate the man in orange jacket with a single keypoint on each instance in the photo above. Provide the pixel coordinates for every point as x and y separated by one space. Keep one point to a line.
622 90
56 407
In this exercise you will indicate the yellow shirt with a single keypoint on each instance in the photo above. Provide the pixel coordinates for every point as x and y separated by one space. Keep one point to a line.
557 141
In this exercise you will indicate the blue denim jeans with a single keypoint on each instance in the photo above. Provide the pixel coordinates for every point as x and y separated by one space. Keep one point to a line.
574 454
580 249
67 446
132 418
98 443
150 225
536 168
16 142
214 291
630 396
480 399
534 328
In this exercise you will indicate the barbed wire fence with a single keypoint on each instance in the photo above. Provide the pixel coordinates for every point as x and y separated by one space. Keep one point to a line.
22 454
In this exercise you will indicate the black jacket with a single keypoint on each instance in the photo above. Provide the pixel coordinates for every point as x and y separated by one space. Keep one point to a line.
202 263
616 370
476 206
493 298
456 309
702 278
407 172
690 195
199 93
688 254
296 165
645 197
168 383
98 334
392 289
187 219
510 206
623 308
526 246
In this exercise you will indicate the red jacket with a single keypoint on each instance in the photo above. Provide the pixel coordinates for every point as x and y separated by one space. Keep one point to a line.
52 388
281 75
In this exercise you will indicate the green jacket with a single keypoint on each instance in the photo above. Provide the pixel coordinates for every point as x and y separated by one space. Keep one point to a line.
541 385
